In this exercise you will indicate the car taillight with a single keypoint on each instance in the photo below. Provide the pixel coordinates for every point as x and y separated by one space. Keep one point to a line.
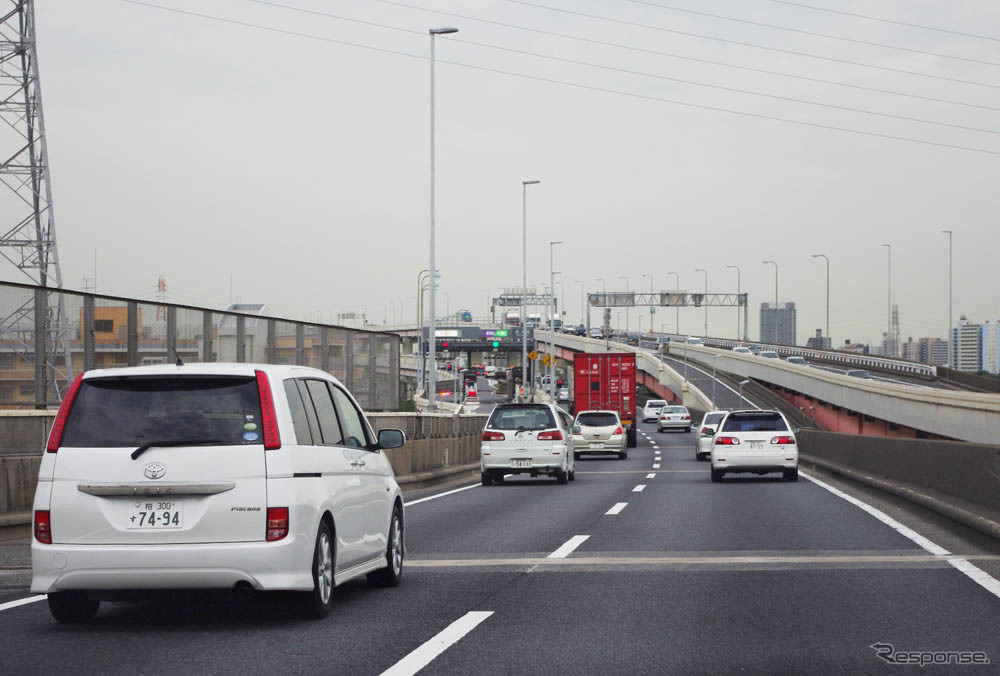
704 430
493 436
268 418
618 431
552 435
277 523
783 440
55 436
43 527
472 393
727 441
687 417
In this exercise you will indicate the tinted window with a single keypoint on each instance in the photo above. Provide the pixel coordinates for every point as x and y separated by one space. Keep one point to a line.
656 402
754 422
354 429
597 419
136 410
674 409
326 414
713 418
529 417
303 435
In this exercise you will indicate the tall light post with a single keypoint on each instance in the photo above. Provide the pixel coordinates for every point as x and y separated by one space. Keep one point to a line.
524 280
432 336
677 308
651 308
552 309
824 257
888 285
742 383
775 303
705 300
626 307
948 335
583 305
738 294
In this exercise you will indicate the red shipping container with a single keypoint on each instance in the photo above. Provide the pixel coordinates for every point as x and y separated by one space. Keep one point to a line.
606 381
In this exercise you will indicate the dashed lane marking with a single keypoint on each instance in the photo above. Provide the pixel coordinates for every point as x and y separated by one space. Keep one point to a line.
22 602
639 488
656 465
650 476
567 547
447 637
617 509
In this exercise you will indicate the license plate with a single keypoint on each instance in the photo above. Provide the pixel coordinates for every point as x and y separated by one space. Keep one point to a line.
155 514
520 462
597 445
756 445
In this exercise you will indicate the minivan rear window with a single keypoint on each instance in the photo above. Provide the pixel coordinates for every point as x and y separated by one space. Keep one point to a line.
597 419
529 417
713 418
131 411
755 422
656 402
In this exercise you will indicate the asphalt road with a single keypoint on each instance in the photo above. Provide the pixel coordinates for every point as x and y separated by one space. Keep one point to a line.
753 575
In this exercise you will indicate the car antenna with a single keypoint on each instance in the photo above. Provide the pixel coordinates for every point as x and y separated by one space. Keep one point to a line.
179 362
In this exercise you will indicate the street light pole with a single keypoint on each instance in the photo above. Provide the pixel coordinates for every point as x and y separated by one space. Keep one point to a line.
705 300
889 351
582 304
432 336
824 257
651 292
738 293
775 303
524 280
553 308
742 383
951 356
626 307
677 308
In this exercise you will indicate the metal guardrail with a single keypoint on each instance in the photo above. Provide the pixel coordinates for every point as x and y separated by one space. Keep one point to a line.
47 336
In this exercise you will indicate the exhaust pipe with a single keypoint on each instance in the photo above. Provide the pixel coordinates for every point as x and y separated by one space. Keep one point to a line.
243 590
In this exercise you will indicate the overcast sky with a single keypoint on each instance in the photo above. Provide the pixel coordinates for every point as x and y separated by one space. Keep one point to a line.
198 149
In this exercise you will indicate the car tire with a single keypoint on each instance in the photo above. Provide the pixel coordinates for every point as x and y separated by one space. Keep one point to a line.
631 439
562 476
576 456
391 575
497 477
71 607
572 475
486 479
319 601
622 455
716 475
687 429
791 474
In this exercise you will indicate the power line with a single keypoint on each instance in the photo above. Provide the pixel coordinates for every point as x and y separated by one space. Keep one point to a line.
751 44
882 20
812 33
636 72
576 85
689 58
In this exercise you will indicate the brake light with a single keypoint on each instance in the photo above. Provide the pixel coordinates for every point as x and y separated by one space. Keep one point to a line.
704 430
551 435
618 432
43 527
493 436
268 418
277 523
783 440
687 417
727 441
472 393
55 436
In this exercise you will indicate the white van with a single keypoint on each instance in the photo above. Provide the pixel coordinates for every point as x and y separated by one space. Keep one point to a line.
212 476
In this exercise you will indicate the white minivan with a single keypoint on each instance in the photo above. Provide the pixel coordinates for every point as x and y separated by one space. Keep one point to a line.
532 439
212 476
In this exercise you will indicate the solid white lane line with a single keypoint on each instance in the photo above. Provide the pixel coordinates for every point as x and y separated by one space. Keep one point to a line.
441 495
567 547
976 574
639 488
650 476
425 654
22 602
617 509
656 465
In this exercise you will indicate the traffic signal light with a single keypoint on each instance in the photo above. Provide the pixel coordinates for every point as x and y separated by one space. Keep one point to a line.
496 344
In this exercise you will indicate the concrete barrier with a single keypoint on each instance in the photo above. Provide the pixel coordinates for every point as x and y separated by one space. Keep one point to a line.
957 479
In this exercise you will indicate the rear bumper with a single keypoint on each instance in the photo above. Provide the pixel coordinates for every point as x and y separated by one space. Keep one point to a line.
758 462
284 564
672 424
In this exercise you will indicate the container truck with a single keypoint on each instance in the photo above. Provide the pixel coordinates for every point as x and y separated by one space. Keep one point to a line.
606 381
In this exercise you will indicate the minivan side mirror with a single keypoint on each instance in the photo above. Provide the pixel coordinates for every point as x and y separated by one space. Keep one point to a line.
576 429
709 432
796 430
391 438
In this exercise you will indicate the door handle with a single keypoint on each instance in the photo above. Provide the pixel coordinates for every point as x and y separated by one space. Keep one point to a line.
354 463
362 463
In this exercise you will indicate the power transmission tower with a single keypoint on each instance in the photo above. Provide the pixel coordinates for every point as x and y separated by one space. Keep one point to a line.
29 241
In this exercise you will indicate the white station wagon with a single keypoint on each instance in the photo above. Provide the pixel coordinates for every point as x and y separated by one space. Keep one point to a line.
212 476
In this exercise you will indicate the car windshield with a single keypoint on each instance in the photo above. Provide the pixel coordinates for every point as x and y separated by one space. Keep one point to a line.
713 418
131 411
754 422
597 419
527 417
674 409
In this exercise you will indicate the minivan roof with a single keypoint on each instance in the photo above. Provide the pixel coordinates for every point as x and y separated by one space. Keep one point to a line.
205 368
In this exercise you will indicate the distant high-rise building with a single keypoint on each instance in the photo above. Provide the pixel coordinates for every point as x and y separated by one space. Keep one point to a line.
777 324
819 342
933 351
967 339
989 359
911 350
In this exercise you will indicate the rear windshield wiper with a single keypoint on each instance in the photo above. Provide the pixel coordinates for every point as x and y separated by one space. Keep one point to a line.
168 443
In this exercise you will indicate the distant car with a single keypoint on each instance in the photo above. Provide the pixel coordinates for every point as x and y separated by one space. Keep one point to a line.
651 411
706 430
490 370
527 439
674 417
599 432
755 442
801 361
562 395
580 330
742 349
694 340
859 373
596 333
769 354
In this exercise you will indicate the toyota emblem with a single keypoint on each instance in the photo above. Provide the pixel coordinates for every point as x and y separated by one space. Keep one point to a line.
154 470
